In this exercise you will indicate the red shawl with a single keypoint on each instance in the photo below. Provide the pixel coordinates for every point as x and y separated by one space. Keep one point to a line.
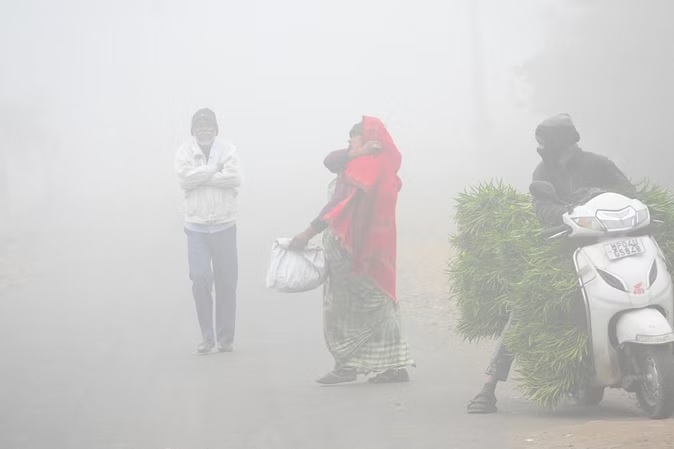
364 220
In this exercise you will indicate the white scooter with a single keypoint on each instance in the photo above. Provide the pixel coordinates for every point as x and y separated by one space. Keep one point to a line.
629 300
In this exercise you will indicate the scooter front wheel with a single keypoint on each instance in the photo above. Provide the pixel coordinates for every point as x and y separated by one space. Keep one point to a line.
656 393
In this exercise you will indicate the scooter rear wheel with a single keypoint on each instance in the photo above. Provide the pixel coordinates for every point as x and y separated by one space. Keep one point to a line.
656 394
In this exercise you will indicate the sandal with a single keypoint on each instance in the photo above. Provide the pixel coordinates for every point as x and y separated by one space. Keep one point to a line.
390 376
338 376
483 403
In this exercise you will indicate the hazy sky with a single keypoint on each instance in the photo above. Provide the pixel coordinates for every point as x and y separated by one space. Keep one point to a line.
111 87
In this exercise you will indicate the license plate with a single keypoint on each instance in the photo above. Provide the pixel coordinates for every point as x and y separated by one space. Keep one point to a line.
624 248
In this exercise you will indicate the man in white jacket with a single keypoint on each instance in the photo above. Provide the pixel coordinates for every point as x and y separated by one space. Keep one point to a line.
209 172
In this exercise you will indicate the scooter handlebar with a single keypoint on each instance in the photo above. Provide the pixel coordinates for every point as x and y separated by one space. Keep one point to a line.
549 233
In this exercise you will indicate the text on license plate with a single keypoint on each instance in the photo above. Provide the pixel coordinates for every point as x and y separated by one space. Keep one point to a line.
623 248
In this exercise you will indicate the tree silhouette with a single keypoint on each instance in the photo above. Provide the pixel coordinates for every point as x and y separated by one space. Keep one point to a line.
610 63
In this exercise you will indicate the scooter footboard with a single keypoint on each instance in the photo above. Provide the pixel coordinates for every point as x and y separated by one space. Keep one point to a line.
645 326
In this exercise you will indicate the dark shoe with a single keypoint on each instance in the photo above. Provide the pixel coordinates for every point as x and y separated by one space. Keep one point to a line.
338 376
205 347
483 403
225 347
391 376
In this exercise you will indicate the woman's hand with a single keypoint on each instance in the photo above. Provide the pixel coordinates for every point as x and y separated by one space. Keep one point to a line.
370 148
301 240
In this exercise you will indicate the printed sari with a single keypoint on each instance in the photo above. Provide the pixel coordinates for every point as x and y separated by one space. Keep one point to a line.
361 314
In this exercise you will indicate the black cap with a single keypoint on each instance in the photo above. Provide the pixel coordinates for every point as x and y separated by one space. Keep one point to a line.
204 115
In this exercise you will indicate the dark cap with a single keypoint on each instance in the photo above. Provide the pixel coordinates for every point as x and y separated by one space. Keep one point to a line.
204 115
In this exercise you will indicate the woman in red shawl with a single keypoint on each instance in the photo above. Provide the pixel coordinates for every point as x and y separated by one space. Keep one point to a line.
361 315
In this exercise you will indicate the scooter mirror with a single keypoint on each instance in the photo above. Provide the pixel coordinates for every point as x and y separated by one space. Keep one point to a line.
544 190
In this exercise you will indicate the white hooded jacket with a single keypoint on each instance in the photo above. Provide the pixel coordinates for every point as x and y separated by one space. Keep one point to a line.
211 186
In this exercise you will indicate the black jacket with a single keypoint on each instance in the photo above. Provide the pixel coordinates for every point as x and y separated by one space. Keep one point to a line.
581 170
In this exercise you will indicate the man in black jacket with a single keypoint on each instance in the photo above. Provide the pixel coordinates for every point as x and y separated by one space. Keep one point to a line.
570 170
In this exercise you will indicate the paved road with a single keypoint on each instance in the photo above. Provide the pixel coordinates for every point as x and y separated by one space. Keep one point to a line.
97 349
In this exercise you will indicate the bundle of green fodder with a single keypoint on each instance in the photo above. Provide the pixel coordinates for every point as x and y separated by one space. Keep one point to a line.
501 264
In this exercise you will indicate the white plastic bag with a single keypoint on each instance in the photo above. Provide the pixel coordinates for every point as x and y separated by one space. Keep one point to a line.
295 271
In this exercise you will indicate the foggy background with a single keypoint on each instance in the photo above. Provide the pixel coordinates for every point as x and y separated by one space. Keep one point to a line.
95 98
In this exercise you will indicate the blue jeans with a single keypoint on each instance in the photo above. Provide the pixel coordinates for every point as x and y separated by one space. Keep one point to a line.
213 260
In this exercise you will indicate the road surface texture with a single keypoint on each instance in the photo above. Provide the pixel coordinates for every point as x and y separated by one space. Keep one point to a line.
97 339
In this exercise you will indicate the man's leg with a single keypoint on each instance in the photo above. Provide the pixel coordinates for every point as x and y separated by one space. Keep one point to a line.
226 274
497 371
199 257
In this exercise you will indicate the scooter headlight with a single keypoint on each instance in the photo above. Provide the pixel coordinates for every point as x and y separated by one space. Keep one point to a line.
620 220
589 223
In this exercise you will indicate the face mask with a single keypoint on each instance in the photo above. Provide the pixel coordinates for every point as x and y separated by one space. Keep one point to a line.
205 137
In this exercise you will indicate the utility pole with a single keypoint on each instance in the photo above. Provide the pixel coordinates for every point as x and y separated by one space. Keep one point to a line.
481 118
